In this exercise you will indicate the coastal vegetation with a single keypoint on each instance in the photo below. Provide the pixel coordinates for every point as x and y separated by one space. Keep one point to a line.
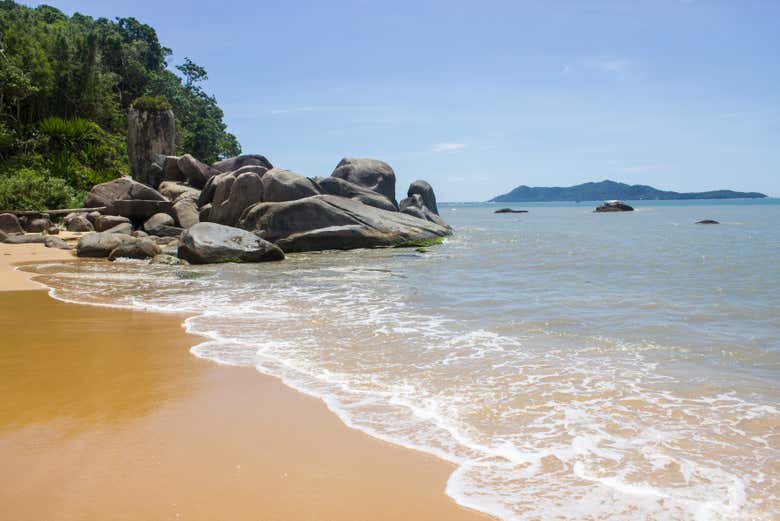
66 84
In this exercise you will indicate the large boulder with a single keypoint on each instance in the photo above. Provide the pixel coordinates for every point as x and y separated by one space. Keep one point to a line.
157 220
369 173
234 163
173 189
342 188
124 188
207 243
196 172
329 222
245 190
137 249
614 206
150 133
105 222
170 169
282 185
414 205
77 222
138 210
210 188
125 228
185 207
101 244
424 190
10 224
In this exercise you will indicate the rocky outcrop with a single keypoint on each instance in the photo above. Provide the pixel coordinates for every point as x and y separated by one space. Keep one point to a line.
326 222
207 243
9 224
122 189
233 197
614 206
194 171
424 190
342 188
235 163
149 134
283 185
372 174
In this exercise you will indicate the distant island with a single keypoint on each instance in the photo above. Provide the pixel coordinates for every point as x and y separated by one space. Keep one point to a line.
605 190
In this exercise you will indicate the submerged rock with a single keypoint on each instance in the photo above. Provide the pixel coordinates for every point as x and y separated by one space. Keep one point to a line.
614 206
207 243
169 260
707 221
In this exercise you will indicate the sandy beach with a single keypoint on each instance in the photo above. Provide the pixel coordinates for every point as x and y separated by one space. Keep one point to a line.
106 415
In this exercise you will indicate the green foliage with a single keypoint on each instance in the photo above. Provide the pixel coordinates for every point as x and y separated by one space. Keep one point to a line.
66 84
29 189
152 103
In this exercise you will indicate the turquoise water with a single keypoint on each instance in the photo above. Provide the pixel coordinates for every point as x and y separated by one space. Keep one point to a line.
573 365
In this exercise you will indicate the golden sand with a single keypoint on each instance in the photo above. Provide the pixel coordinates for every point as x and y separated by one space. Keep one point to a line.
106 416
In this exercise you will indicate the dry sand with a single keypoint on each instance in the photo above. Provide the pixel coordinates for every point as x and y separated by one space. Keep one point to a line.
106 416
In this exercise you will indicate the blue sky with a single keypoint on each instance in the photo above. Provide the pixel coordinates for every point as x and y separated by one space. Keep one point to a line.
479 97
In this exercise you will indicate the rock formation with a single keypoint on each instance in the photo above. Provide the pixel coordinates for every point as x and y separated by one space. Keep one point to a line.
149 134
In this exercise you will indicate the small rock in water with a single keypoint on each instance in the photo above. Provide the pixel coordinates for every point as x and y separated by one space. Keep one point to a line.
707 221
614 206
510 210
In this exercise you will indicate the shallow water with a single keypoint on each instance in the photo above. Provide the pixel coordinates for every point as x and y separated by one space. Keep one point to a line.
573 365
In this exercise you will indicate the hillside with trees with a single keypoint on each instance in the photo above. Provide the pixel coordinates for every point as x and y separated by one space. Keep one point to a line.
66 84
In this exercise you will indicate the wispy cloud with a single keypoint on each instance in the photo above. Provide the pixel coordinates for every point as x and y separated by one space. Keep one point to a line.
296 110
447 147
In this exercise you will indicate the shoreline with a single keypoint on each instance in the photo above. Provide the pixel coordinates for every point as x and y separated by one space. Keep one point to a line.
107 407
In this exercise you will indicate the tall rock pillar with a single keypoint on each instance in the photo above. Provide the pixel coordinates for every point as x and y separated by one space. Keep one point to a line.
149 133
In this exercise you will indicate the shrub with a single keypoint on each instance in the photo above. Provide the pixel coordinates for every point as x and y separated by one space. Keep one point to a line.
152 103
29 189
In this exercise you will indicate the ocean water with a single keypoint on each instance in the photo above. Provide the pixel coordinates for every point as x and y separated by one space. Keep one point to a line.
573 365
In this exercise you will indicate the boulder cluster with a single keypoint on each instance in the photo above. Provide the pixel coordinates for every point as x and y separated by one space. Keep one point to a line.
243 209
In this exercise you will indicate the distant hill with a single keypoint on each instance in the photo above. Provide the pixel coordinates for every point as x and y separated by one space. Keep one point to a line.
605 190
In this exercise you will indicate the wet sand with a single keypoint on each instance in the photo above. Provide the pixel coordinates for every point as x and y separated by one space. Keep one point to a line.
106 415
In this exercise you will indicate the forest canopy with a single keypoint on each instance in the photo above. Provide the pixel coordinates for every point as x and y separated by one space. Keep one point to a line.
66 84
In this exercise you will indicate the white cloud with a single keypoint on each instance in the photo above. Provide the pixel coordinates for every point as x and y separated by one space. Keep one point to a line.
448 147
